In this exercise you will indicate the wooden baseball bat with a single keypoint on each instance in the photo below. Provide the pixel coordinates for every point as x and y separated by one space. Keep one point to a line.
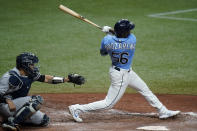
75 14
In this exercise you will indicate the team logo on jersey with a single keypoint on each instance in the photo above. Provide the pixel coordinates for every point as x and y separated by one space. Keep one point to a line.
114 46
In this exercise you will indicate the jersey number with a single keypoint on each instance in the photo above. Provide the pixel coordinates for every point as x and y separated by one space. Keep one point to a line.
122 59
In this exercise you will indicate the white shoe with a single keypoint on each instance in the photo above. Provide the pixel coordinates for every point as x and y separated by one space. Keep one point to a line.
168 114
75 113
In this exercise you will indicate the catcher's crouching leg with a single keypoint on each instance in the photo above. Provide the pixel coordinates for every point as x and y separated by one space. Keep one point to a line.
25 112
28 109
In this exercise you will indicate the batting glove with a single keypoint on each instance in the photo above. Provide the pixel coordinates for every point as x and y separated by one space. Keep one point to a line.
106 29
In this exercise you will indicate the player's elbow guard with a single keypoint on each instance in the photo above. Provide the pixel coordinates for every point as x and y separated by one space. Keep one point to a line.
103 52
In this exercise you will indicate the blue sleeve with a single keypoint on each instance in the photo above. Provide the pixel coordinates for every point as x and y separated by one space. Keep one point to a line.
134 38
103 50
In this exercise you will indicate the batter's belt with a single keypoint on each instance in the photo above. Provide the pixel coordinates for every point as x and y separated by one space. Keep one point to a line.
119 69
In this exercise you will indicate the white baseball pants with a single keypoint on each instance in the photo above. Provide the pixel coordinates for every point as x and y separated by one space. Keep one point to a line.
120 80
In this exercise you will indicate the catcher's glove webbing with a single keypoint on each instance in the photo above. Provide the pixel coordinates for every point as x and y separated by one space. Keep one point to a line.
76 79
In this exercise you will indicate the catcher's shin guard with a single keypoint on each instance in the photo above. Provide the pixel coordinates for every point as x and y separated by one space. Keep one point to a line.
28 109
45 121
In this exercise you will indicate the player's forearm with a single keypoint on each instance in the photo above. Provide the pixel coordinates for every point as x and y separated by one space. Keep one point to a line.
11 104
71 78
55 80
4 97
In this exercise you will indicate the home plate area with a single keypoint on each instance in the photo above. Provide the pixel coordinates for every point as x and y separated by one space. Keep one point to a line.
153 128
116 120
131 113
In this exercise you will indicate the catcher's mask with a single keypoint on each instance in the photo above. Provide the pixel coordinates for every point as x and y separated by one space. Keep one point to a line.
27 61
123 27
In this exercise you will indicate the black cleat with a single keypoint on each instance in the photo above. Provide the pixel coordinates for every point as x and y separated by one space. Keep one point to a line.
10 126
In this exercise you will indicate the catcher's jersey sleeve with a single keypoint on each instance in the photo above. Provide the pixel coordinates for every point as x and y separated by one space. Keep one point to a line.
4 86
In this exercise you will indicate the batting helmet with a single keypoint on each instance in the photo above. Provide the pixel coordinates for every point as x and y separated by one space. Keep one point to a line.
122 28
26 62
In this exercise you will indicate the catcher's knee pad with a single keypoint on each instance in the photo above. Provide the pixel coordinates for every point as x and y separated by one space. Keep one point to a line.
45 121
36 102
28 109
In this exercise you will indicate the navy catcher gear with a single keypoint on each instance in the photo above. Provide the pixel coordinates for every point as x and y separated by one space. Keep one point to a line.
19 86
28 109
45 121
76 79
27 62
122 28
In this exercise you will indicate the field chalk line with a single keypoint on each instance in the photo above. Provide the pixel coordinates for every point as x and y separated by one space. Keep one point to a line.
153 128
162 15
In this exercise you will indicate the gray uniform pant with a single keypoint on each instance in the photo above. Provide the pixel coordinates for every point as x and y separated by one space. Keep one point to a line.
35 119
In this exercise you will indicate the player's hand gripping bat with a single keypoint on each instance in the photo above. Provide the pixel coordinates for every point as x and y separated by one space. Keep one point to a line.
75 14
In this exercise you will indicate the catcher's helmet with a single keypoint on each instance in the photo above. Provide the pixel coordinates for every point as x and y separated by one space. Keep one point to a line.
122 28
26 62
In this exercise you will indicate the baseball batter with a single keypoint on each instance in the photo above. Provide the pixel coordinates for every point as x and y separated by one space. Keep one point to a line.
16 107
121 48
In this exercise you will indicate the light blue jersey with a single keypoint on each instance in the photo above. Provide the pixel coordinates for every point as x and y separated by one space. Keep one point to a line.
121 50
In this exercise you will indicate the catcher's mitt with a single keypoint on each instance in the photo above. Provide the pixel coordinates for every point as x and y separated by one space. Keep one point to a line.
76 79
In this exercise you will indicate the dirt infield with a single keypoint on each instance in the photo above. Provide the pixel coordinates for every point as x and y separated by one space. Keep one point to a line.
131 112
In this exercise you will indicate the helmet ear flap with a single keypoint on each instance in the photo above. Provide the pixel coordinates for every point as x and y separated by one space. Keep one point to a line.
132 26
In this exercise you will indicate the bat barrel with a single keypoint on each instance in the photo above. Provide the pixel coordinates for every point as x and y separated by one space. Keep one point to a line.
75 14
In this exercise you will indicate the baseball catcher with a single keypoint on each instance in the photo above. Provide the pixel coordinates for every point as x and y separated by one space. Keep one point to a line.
16 107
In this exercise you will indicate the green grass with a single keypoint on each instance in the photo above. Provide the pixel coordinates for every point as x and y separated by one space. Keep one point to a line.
166 52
